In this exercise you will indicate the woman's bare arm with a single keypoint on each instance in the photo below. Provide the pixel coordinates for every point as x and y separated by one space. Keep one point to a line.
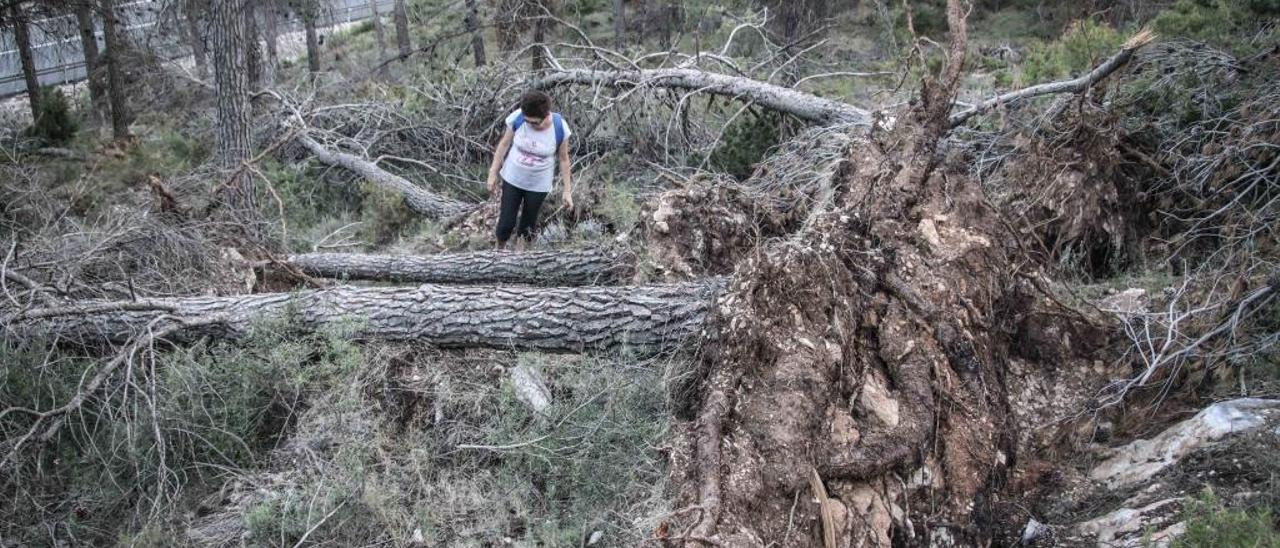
499 154
566 173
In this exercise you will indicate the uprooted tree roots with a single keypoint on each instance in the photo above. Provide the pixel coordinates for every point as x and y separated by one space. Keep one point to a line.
862 361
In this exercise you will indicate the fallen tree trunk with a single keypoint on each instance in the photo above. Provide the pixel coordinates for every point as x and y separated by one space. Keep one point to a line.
797 103
547 268
1074 85
647 317
418 199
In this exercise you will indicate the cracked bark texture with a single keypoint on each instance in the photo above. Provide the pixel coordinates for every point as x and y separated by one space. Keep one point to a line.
805 106
545 267
651 317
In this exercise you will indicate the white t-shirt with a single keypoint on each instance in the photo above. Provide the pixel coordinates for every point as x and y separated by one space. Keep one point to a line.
530 164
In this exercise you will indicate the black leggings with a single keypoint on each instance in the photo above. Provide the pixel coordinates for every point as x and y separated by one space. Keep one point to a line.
512 197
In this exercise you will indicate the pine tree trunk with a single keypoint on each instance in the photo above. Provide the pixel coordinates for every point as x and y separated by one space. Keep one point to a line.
668 23
477 35
22 35
313 40
539 62
379 32
92 60
542 268
231 80
783 99
402 29
271 30
193 14
120 115
619 24
647 318
253 46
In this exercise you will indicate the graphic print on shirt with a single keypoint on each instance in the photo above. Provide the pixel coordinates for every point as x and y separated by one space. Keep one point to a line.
531 153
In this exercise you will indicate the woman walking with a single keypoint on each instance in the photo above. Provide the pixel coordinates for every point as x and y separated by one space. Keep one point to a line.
525 159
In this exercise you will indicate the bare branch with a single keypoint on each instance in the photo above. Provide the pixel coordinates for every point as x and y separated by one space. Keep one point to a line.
1074 85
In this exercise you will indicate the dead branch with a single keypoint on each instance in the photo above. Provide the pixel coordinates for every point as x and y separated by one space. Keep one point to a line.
418 199
56 417
1075 85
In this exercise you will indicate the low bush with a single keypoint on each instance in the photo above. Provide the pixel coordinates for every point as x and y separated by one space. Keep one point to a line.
54 123
1211 524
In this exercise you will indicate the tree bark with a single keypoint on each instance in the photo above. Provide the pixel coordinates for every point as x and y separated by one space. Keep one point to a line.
402 29
539 62
193 14
121 117
231 83
253 46
477 36
379 32
22 35
313 40
647 318
92 61
619 24
542 268
271 30
797 103
417 198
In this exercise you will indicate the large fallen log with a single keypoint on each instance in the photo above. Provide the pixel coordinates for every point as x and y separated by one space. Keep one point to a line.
591 266
417 198
649 317
806 106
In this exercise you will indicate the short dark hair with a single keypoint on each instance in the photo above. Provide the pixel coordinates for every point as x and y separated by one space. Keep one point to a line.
535 104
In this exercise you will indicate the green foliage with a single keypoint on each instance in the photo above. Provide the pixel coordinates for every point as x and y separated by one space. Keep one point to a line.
311 204
1221 22
619 207
1083 45
190 415
54 122
285 516
385 215
1211 524
745 143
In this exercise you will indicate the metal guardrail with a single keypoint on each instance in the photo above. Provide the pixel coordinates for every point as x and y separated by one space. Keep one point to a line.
56 46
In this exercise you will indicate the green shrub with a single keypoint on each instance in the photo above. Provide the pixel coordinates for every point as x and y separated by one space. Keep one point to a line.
386 216
1220 22
54 122
745 143
619 208
1084 44
192 414
1210 524
309 201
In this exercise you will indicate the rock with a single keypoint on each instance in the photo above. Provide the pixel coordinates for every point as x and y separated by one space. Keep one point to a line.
1126 303
530 388
868 514
595 538
1127 526
1034 531
1142 459
875 401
